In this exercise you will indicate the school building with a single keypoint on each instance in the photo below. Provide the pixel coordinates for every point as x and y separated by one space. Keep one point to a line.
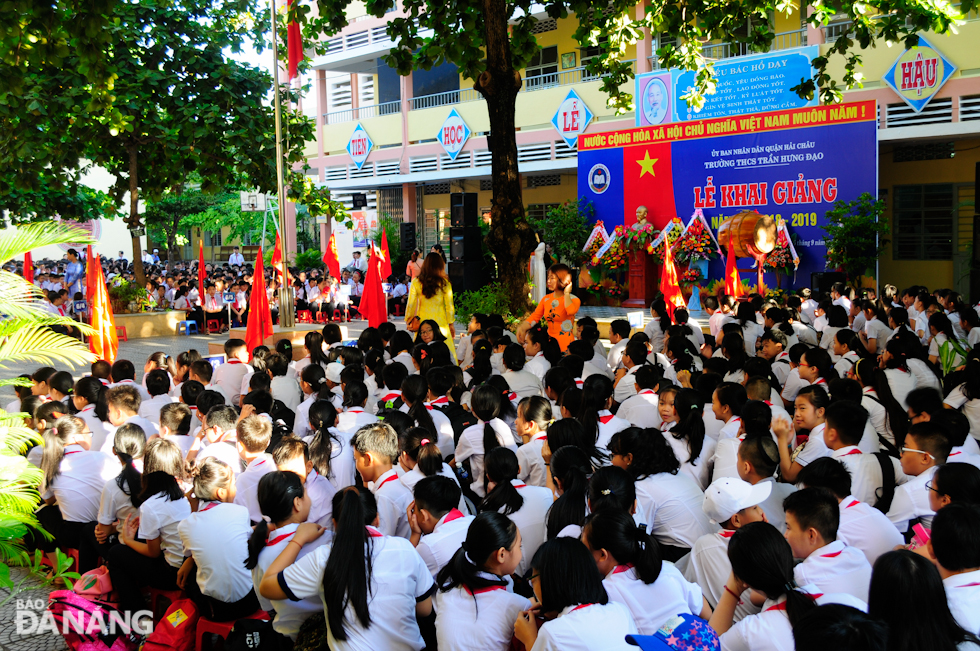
379 133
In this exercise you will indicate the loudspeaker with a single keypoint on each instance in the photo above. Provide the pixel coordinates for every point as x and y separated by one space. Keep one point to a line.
406 233
463 209
823 281
465 243
468 276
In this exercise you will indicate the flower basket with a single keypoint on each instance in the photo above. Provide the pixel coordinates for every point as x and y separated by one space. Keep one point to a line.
696 244
780 259
638 236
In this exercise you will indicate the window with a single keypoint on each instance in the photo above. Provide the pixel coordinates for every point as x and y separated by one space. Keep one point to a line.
543 68
538 211
212 239
923 222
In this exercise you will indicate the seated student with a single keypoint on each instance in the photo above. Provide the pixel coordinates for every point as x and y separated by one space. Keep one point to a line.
158 386
812 521
758 460
253 436
634 574
687 438
836 626
88 397
438 527
293 455
419 457
123 373
861 525
286 504
793 383
479 440
955 547
283 387
810 406
175 425
221 436
669 502
570 468
523 383
754 421
731 504
355 415
634 356
206 401
120 499
534 416
150 551
375 453
393 376
214 575
415 393
642 409
475 588
762 560
592 361
775 347
845 423
123 406
925 449
541 349
379 585
443 395
189 391
569 584
726 403
202 372
956 426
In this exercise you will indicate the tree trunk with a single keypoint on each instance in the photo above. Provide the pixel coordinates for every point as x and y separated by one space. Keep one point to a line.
134 216
511 238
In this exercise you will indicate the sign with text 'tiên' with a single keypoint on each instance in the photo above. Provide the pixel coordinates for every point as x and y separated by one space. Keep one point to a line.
359 146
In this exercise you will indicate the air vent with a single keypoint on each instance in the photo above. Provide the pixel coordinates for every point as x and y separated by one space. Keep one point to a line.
926 151
937 111
486 185
437 188
536 152
969 108
336 173
546 25
543 180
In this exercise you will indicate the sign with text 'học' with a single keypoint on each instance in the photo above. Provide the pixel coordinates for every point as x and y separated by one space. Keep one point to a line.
453 134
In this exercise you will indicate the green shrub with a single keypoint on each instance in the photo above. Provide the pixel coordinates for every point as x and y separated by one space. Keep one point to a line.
491 299
306 260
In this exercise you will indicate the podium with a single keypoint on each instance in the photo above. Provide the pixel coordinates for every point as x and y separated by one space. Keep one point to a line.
644 279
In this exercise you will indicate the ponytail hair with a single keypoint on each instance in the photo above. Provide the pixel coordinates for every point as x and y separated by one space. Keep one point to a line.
488 533
486 406
129 443
163 466
93 391
550 347
500 467
596 391
314 345
316 377
421 448
277 494
849 338
690 426
210 476
355 394
897 417
611 487
55 439
414 391
62 383
572 468
323 416
820 359
537 410
347 576
616 532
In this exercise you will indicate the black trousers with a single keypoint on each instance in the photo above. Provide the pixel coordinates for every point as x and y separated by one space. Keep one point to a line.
90 550
67 535
215 609
130 572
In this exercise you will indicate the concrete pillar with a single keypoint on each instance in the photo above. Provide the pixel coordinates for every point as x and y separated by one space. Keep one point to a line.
814 35
644 46
405 87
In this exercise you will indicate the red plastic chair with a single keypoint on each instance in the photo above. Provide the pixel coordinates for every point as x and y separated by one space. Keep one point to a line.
304 316
321 317
121 333
398 309
221 629
70 553
169 596
214 325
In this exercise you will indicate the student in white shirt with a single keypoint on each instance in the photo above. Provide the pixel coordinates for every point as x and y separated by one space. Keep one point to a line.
374 606
635 575
355 414
619 334
692 448
669 502
419 457
758 460
944 337
330 451
812 520
527 506
658 324
134 563
89 399
286 504
123 404
955 547
540 349
123 373
228 376
848 349
966 396
475 604
861 525
522 382
215 537
253 434
875 332
570 468
925 449
598 422
415 390
726 404
293 455
634 356
221 436
811 404
566 581
489 432
158 386
438 527
283 387
642 409
375 453
899 378
534 416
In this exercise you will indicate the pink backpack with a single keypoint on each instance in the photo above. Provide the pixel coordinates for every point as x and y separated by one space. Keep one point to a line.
95 585
73 615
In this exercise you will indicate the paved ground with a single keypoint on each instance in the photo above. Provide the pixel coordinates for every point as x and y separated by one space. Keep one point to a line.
20 618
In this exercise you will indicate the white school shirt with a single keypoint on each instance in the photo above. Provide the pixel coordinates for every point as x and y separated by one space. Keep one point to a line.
321 492
405 359
717 320
925 376
655 334
959 454
588 627
249 372
626 387
393 500
901 383
228 377
439 547
523 383
865 472
290 615
115 505
78 487
780 367
971 408
730 429
247 485
301 423
651 604
150 410
444 426
641 410
531 520
866 528
538 366
814 448
963 596
670 506
709 567
470 447
724 461
859 322
805 333
712 426
615 357
98 428
836 567
492 611
532 468
877 330
700 471
751 332
144 394
286 390
159 518
226 451
846 363
411 477
912 501
773 505
217 537
793 385
877 416
608 426
399 579
353 419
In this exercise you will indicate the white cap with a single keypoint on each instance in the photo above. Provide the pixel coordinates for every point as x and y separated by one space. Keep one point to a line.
333 371
729 495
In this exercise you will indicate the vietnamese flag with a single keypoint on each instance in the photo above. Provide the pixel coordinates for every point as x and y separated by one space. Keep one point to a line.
103 343
29 267
91 261
294 46
385 256
669 286
259 325
200 270
331 258
648 181
373 305
733 284
277 262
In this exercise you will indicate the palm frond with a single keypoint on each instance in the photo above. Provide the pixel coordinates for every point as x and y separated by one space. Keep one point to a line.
16 382
18 499
40 344
15 437
17 241
21 300
41 317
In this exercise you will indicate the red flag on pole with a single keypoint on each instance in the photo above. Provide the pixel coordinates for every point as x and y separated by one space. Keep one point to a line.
385 256
91 260
277 262
103 343
733 284
29 267
200 270
373 305
259 325
294 45
331 258
669 286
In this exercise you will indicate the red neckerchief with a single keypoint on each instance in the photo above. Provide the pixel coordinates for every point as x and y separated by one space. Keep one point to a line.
73 452
820 381
511 396
392 478
646 392
519 485
374 533
620 568
578 383
854 451
392 396
234 361
482 590
454 514
538 437
854 503
782 606
209 506
258 464
725 533
832 555
355 410
580 607
953 454
441 400
278 539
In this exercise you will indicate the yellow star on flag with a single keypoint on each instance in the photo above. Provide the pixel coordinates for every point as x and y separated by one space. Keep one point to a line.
646 164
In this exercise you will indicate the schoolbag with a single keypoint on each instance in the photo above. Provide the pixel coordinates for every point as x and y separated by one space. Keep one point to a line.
79 619
95 585
176 631
256 635
884 503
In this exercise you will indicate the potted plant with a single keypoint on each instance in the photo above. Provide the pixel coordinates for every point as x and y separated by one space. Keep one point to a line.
855 235
128 298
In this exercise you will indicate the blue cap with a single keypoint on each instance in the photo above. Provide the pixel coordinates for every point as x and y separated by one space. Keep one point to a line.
679 633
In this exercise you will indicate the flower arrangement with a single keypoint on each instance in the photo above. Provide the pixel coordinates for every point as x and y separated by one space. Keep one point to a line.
696 244
596 243
638 236
780 259
672 237
691 276
617 256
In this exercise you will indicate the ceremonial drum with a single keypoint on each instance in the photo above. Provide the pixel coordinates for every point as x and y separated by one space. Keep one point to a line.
753 235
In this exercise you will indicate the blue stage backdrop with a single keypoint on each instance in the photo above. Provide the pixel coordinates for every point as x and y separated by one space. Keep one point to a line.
794 164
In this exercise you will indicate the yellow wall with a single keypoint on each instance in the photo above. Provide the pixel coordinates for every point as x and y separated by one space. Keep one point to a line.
384 130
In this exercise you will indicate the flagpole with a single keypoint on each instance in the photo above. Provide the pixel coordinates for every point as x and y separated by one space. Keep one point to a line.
286 316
